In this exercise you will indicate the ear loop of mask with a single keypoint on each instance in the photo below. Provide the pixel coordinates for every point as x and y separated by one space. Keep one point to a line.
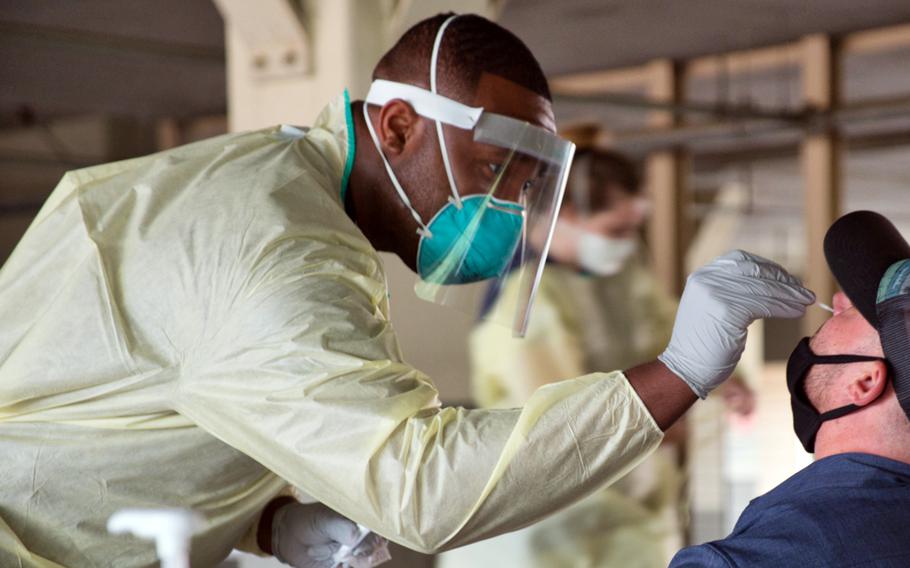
456 198
422 230
838 360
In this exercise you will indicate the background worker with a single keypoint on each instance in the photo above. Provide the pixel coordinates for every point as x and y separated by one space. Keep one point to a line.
850 395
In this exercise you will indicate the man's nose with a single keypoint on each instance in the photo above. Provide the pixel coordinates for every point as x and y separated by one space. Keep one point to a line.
841 303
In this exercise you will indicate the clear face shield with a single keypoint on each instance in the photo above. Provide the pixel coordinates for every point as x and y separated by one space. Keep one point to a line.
507 180
490 236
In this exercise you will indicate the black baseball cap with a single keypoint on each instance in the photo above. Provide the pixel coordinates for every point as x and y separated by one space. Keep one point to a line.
871 262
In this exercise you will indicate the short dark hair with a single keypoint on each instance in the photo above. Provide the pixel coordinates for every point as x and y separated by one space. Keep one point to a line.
607 175
612 169
472 45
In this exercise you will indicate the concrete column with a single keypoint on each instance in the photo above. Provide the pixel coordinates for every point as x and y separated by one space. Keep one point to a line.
820 154
341 41
335 46
667 174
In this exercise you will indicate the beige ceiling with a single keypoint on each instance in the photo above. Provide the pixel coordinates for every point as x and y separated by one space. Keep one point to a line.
581 35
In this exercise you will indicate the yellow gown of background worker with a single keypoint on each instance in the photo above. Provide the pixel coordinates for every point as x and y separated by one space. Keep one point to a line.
580 323
204 326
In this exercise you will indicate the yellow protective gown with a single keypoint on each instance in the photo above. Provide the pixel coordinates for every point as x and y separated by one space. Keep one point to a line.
582 323
204 326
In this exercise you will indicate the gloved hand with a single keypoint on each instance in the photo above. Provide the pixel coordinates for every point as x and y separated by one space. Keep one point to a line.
310 536
719 302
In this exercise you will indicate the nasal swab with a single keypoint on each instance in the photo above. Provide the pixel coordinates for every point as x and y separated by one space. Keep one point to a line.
825 307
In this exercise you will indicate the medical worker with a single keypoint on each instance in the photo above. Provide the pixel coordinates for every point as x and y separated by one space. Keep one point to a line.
205 327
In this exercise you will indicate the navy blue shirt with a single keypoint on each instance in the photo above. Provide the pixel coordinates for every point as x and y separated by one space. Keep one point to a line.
843 510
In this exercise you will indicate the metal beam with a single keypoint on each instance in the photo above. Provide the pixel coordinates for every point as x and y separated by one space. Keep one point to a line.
612 80
690 107
862 122
636 78
877 40
112 43
745 61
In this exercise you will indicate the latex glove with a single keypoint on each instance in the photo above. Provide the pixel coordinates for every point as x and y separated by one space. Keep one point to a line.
309 536
719 302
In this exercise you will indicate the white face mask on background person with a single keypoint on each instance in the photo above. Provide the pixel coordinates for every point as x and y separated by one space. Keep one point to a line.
602 255
590 251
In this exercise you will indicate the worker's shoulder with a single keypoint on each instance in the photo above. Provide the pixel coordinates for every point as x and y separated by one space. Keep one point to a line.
270 181
240 155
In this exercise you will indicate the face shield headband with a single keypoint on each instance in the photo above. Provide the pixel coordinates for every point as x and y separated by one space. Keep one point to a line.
472 237
489 128
806 419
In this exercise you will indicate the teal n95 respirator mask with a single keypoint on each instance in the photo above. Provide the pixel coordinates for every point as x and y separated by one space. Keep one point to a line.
480 233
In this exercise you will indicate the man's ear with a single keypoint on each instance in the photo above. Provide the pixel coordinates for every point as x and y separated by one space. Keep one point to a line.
867 386
399 127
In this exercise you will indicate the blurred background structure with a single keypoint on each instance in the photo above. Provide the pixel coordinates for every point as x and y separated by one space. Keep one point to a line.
757 123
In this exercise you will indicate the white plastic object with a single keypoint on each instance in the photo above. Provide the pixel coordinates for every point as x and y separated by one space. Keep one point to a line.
345 557
171 529
425 103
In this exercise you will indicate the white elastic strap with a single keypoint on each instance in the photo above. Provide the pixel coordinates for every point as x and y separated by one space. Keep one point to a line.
439 133
425 103
345 552
424 230
435 55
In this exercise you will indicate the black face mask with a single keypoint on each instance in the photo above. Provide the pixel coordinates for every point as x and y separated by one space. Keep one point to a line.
806 419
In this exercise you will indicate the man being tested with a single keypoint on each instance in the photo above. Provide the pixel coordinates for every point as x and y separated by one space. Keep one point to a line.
850 394
202 327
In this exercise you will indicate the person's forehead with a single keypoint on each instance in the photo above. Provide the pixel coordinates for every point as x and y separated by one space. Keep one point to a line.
501 96
614 196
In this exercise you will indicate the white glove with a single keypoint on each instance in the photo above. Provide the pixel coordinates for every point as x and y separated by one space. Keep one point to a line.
719 302
312 536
